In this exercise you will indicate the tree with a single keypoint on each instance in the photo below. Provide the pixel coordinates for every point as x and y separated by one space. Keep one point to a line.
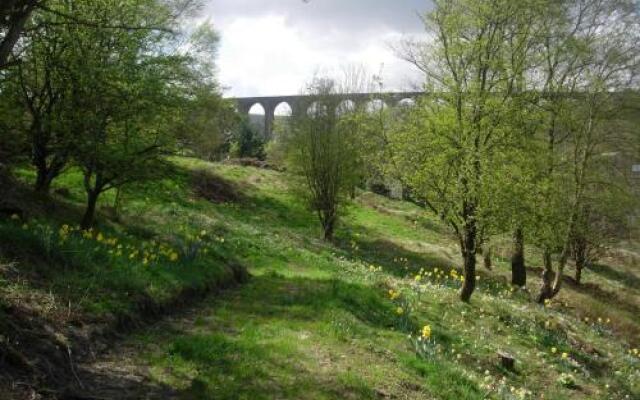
247 141
322 151
590 56
39 83
128 92
450 148
14 15
208 124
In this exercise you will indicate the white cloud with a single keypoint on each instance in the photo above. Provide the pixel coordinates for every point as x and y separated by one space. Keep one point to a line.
273 53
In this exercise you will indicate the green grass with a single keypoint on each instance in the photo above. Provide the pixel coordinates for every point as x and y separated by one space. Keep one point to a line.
315 321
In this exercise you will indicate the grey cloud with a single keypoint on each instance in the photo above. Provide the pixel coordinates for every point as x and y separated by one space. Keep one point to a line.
329 15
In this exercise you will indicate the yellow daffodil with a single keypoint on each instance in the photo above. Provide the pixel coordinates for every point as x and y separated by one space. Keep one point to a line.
426 332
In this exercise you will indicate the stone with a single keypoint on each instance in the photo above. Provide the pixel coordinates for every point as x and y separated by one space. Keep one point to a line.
507 361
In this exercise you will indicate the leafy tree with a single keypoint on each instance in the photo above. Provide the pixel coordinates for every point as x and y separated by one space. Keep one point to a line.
39 84
128 89
208 124
450 147
590 57
14 15
322 150
247 141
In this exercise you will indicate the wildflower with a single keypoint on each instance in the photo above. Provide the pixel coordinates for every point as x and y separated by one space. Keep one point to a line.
15 217
173 256
426 332
565 356
418 278
554 350
399 311
99 238
203 233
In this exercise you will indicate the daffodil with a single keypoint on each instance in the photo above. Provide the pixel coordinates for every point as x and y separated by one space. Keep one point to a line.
426 332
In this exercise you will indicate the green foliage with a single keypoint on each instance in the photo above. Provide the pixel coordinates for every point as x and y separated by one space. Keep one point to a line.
322 151
112 86
247 142
208 122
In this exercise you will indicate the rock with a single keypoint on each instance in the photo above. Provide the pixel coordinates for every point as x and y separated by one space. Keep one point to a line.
507 361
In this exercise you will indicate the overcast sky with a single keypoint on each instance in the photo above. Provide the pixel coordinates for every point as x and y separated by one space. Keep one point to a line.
272 47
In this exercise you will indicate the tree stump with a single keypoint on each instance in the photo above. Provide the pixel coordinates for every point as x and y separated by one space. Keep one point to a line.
507 361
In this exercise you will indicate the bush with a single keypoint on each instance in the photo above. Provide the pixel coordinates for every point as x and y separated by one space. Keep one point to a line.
247 142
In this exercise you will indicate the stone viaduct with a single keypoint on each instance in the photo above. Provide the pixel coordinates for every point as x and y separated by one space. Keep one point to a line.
302 103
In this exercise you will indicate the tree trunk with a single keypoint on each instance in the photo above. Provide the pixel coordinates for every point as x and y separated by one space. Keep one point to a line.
469 284
580 257
518 268
579 272
469 255
486 257
552 282
89 214
15 24
547 279
43 183
557 282
328 232
328 224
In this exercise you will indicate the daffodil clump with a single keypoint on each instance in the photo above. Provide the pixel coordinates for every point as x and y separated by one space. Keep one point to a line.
402 309
567 380
423 343
71 242
501 387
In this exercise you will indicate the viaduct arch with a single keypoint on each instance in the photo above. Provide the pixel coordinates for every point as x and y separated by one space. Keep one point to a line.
301 103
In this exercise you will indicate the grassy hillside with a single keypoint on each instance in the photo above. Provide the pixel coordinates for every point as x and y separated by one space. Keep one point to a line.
315 320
